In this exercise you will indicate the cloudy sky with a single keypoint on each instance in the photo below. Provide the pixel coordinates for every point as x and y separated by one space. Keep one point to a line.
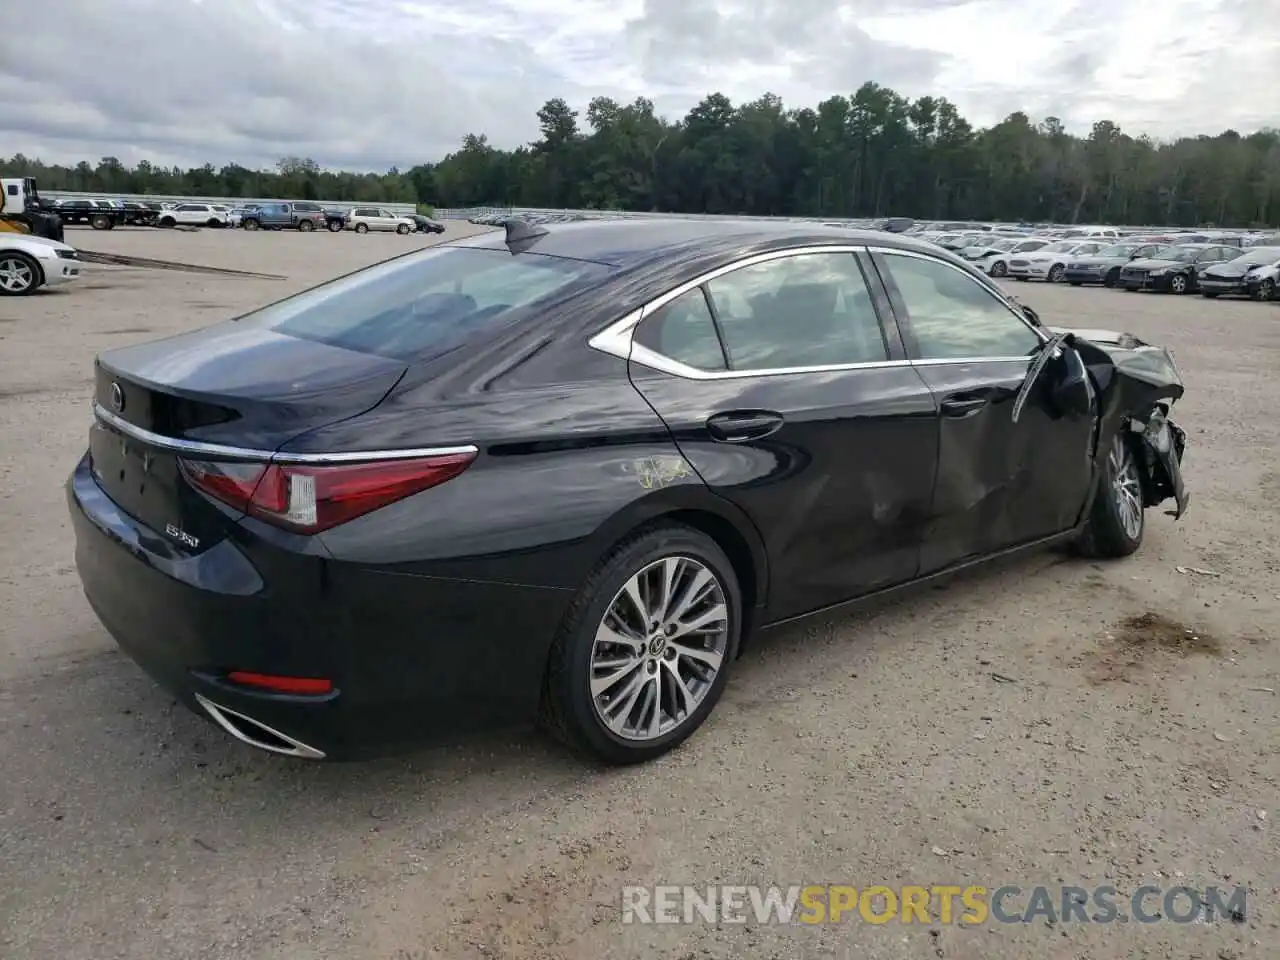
373 83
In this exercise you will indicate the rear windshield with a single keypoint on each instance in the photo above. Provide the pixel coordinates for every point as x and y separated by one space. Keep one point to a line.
420 306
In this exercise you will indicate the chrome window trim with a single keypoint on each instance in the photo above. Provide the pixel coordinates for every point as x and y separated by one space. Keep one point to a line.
220 451
617 338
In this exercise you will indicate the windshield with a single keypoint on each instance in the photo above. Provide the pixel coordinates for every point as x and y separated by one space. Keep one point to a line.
999 245
1060 246
422 305
1259 255
1181 254
1118 250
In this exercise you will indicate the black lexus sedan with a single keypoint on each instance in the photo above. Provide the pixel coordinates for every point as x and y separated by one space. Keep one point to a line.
1175 269
569 472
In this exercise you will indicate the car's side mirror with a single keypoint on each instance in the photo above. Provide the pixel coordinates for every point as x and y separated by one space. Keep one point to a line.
1032 317
1071 393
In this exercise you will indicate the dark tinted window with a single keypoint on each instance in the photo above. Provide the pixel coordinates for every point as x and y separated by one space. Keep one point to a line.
683 330
954 316
419 306
306 207
804 311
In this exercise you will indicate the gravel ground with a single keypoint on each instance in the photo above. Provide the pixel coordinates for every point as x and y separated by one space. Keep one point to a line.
879 748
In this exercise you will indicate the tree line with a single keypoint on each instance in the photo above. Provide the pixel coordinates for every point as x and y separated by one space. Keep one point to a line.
875 153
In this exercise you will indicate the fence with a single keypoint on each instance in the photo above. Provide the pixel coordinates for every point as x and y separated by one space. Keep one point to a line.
399 209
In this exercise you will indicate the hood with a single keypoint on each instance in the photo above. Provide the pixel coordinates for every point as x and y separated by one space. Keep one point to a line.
32 243
1146 264
1232 269
1095 259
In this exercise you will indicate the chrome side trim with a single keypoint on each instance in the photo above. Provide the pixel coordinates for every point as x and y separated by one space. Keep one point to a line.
221 714
219 451
616 339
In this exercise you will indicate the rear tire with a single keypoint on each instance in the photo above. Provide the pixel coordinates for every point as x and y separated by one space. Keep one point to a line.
402 229
1113 276
306 226
100 221
335 226
19 274
1117 518
168 222
604 651
362 228
250 224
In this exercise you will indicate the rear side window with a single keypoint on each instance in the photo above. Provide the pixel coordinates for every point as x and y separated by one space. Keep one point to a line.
808 310
418 307
684 331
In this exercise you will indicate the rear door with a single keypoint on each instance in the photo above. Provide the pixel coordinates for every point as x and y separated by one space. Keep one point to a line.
790 398
1000 483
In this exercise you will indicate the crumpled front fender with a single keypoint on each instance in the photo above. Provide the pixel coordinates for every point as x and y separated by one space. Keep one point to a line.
1137 383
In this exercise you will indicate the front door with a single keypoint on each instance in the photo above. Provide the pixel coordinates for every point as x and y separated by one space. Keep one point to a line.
785 394
1000 482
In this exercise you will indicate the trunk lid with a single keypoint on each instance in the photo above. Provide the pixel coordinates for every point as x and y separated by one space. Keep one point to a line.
229 385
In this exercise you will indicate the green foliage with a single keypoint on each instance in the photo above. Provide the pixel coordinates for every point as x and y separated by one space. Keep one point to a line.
874 153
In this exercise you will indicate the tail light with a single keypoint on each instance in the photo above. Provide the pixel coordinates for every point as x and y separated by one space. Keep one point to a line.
309 499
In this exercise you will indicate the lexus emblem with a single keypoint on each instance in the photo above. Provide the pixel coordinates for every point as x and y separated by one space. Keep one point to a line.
117 397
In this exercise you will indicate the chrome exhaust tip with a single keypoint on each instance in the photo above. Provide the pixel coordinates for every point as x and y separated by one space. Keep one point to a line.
256 733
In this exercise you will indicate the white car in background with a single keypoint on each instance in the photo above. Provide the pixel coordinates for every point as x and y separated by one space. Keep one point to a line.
993 258
364 219
1049 263
194 214
28 263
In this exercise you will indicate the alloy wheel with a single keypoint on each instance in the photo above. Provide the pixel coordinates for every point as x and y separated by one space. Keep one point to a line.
1126 487
1266 289
1178 283
16 276
1056 272
659 648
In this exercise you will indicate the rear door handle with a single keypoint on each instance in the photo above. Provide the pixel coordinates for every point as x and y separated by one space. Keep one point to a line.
963 406
744 425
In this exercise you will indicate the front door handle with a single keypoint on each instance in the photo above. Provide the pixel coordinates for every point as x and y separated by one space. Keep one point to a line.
962 406
741 426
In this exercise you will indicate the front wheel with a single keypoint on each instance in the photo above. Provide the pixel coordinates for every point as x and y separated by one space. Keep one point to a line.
644 653
1178 284
101 222
168 222
1113 277
335 226
250 224
1117 518
306 226
402 229
362 228
1055 273
19 274
999 269
1266 290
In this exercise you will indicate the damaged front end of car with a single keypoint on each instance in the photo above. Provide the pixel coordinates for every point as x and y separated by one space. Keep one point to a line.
1137 383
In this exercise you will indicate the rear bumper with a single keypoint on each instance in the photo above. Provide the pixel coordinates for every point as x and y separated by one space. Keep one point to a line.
414 660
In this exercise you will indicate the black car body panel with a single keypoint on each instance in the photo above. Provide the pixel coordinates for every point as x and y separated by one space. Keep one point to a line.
438 610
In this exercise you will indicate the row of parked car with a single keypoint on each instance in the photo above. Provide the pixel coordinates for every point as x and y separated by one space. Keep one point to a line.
300 215
1212 264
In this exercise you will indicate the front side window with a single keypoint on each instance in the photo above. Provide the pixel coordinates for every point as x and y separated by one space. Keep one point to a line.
684 331
808 310
953 316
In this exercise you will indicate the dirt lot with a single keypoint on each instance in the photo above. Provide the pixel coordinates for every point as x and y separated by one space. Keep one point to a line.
1049 722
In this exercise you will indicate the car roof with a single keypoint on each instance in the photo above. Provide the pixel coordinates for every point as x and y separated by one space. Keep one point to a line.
625 243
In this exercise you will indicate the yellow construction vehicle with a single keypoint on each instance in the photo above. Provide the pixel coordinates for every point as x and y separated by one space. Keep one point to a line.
22 210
